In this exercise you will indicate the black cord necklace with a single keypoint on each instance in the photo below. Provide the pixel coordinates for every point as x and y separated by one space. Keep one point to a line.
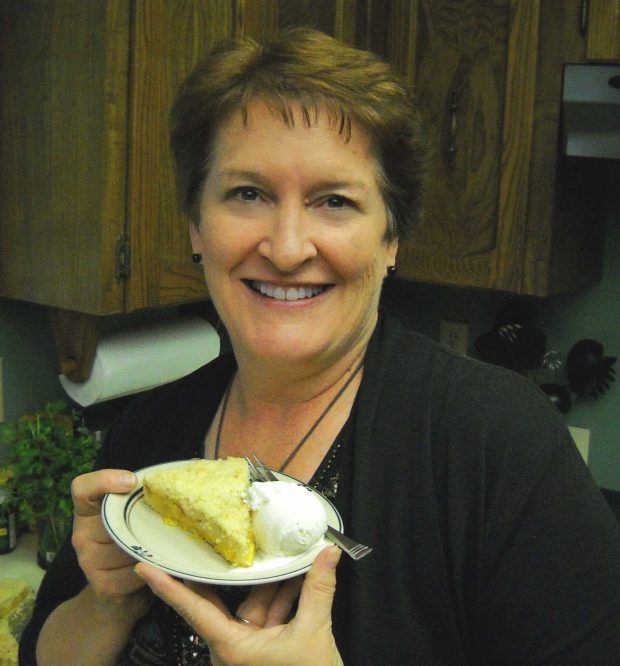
304 439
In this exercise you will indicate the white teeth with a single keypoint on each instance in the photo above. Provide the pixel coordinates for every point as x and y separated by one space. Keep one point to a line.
290 294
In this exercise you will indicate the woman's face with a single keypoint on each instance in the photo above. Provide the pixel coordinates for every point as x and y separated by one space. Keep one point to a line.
292 234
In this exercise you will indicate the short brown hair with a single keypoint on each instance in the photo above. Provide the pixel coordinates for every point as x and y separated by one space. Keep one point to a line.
316 72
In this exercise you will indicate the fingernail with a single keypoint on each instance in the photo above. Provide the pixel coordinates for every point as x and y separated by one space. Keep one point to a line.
333 557
127 479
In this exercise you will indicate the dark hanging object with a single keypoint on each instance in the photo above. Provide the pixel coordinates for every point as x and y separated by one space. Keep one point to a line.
559 396
514 343
589 372
495 349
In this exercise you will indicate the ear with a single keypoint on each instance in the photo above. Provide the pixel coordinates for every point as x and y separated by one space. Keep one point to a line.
392 249
194 235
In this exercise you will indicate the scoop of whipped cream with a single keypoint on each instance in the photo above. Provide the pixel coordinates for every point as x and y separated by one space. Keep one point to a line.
288 519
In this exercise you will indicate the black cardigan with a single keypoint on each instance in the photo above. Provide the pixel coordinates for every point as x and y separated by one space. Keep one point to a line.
492 544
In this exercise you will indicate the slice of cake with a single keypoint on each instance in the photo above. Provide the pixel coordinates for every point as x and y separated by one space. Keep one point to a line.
16 602
207 498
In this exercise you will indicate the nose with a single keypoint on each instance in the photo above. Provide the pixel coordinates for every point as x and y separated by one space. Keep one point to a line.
287 243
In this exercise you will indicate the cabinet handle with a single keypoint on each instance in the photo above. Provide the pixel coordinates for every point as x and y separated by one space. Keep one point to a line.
454 107
123 258
583 16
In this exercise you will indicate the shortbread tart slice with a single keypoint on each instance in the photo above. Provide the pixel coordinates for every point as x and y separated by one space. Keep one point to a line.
206 498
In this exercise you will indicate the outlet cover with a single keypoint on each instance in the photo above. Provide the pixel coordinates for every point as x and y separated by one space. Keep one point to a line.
455 335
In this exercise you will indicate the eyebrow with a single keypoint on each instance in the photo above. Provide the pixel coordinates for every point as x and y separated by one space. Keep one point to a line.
322 185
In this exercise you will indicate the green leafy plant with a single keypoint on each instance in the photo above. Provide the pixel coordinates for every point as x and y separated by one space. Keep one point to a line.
47 450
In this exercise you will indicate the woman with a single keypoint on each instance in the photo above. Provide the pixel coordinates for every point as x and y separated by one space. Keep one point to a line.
299 164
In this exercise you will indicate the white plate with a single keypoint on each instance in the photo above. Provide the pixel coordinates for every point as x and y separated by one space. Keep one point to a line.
141 532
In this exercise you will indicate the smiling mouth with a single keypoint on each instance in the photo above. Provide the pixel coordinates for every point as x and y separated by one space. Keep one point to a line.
279 293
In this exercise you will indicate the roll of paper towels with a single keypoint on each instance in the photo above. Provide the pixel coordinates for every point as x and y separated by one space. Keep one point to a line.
143 357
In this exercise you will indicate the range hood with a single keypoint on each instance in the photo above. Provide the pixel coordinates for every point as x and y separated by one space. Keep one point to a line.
591 111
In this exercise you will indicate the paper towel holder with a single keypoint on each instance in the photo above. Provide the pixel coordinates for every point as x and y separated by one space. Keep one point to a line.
76 335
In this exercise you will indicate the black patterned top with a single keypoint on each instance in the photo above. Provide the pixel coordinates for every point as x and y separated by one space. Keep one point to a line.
162 637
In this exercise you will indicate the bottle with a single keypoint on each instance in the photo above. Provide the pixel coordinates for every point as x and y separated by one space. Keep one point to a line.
8 523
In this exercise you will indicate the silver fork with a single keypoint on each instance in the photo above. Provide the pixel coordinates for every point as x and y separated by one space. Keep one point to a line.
260 472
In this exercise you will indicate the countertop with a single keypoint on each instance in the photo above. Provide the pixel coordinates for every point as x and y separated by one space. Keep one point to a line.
22 562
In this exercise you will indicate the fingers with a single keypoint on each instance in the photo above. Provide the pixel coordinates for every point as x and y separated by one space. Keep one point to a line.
206 618
307 636
282 603
88 489
98 553
207 592
270 605
118 584
107 568
87 529
317 593
255 608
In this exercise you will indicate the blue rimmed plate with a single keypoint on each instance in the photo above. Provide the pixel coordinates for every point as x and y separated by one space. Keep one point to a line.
141 531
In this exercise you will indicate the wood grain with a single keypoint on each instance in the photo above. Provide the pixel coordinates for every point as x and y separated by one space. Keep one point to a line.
516 142
62 151
529 223
604 30
564 253
168 40
76 336
86 89
460 54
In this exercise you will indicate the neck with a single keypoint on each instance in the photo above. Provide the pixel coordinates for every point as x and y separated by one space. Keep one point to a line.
272 381
330 398
274 407
261 385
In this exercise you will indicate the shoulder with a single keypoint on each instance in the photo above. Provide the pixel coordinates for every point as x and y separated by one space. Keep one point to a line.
402 360
485 409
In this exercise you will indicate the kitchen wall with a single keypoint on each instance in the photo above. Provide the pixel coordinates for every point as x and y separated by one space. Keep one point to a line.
595 313
590 313
28 358
29 362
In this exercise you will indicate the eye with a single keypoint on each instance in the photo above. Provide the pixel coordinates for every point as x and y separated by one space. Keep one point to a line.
244 193
337 201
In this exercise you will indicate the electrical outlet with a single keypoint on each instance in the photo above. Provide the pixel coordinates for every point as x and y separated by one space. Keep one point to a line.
1 394
455 335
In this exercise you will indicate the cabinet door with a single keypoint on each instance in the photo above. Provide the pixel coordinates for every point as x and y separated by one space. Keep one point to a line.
63 100
169 38
334 17
602 23
489 77
454 53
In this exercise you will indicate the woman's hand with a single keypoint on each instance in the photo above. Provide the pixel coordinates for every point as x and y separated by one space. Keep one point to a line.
306 639
108 569
93 627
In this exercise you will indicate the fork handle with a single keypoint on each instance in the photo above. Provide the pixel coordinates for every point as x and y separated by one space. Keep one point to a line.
340 539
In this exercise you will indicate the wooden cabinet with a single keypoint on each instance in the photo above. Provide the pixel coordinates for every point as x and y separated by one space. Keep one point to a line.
88 214
600 22
86 87
504 210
